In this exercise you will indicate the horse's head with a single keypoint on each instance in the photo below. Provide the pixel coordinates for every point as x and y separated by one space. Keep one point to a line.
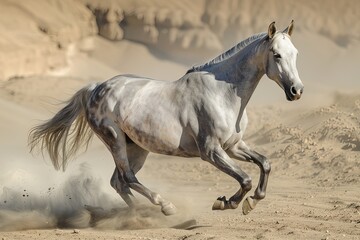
281 62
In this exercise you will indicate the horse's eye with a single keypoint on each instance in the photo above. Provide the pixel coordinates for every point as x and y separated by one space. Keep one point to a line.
276 55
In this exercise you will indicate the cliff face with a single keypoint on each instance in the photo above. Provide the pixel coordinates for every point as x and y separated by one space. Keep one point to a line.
37 34
232 20
174 28
210 24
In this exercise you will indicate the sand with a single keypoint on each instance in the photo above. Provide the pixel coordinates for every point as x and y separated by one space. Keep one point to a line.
313 145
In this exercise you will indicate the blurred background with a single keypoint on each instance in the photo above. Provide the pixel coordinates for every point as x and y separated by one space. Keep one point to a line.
51 48
93 40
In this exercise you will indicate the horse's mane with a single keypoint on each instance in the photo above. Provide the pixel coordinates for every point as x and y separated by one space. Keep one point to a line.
229 53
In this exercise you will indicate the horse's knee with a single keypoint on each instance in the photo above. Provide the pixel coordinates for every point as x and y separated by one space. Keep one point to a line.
246 184
264 163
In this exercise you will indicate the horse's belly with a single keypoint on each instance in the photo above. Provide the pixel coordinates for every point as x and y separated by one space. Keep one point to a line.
161 137
158 143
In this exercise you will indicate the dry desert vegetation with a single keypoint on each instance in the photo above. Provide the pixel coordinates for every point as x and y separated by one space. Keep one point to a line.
49 49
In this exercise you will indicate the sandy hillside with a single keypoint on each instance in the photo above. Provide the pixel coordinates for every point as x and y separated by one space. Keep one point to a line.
50 49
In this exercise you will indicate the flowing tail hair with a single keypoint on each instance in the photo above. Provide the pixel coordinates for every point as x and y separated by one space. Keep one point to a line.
66 132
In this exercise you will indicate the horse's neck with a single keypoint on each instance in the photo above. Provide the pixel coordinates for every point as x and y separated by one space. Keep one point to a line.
241 73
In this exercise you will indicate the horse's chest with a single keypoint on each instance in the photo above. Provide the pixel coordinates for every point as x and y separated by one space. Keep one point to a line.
223 121
225 128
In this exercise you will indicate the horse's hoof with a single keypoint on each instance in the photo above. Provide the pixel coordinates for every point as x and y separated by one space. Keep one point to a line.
219 204
248 205
168 209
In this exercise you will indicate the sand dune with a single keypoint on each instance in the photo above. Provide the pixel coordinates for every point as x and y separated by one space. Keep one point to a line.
320 144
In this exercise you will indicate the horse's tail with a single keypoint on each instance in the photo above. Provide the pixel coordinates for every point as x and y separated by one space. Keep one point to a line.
66 132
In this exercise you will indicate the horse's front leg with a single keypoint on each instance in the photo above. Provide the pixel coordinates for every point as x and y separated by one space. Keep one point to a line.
242 152
218 157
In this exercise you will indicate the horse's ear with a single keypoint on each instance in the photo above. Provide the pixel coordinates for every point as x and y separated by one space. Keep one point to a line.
271 30
290 28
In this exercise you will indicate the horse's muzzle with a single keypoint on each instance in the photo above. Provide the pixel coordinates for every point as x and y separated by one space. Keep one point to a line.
294 92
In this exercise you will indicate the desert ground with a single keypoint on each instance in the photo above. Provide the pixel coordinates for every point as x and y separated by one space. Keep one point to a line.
50 49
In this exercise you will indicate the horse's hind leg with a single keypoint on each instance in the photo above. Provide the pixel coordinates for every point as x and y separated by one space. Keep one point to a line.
107 131
136 156
118 183
132 163
115 140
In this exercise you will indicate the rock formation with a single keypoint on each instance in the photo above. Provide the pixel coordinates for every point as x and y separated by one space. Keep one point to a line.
37 34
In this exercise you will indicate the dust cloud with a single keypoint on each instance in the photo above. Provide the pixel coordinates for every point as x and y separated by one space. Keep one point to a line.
77 202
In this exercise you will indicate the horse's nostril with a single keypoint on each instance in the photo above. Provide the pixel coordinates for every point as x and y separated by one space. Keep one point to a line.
293 91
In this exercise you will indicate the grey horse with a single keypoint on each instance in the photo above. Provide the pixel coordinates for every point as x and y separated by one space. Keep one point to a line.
202 114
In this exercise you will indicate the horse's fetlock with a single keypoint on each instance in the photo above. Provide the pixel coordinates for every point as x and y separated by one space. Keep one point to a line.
156 198
259 195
